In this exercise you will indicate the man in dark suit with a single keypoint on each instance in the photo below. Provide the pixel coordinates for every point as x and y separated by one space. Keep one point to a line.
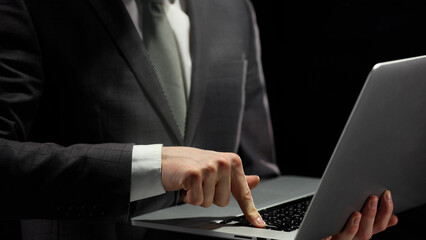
79 92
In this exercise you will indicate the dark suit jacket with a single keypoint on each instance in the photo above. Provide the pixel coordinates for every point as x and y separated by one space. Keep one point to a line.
77 90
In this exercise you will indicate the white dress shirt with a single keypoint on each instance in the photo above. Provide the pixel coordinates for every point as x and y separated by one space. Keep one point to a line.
146 159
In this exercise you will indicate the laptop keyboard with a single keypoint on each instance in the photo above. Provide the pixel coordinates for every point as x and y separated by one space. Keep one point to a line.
284 217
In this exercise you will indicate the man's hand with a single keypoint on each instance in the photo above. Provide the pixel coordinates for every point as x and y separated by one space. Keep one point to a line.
370 221
208 177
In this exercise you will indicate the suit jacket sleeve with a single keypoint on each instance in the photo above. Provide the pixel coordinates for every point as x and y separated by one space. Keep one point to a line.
256 143
46 180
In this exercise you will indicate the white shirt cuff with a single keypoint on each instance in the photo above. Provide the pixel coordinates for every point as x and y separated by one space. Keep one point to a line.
146 172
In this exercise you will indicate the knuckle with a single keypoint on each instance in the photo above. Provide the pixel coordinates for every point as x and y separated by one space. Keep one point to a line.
210 167
197 201
193 201
381 228
206 204
352 231
223 163
390 207
184 185
222 202
193 175
348 232
365 236
236 160
246 195
252 212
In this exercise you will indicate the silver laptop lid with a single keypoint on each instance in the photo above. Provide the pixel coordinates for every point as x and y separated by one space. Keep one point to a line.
383 146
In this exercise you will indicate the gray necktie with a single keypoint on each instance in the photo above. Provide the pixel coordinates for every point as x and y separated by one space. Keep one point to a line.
163 50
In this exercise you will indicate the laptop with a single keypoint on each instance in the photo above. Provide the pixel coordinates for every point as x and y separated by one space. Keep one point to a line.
383 146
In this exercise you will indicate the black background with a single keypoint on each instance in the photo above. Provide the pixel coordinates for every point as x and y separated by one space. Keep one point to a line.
316 56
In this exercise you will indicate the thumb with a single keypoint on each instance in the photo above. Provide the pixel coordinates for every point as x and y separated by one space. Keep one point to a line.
252 181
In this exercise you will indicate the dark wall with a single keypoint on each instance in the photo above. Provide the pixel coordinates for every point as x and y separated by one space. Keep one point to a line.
316 57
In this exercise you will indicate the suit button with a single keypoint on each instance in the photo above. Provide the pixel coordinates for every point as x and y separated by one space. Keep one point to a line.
94 211
60 210
71 211
83 211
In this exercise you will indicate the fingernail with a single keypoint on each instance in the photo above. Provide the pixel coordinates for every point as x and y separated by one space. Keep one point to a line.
260 221
356 221
388 196
373 203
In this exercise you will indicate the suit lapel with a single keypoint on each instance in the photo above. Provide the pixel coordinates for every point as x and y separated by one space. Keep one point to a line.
198 13
115 17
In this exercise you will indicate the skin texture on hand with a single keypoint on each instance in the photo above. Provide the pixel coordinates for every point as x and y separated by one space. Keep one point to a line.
209 177
371 220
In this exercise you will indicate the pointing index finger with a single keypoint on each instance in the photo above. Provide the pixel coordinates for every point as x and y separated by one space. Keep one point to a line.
241 192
